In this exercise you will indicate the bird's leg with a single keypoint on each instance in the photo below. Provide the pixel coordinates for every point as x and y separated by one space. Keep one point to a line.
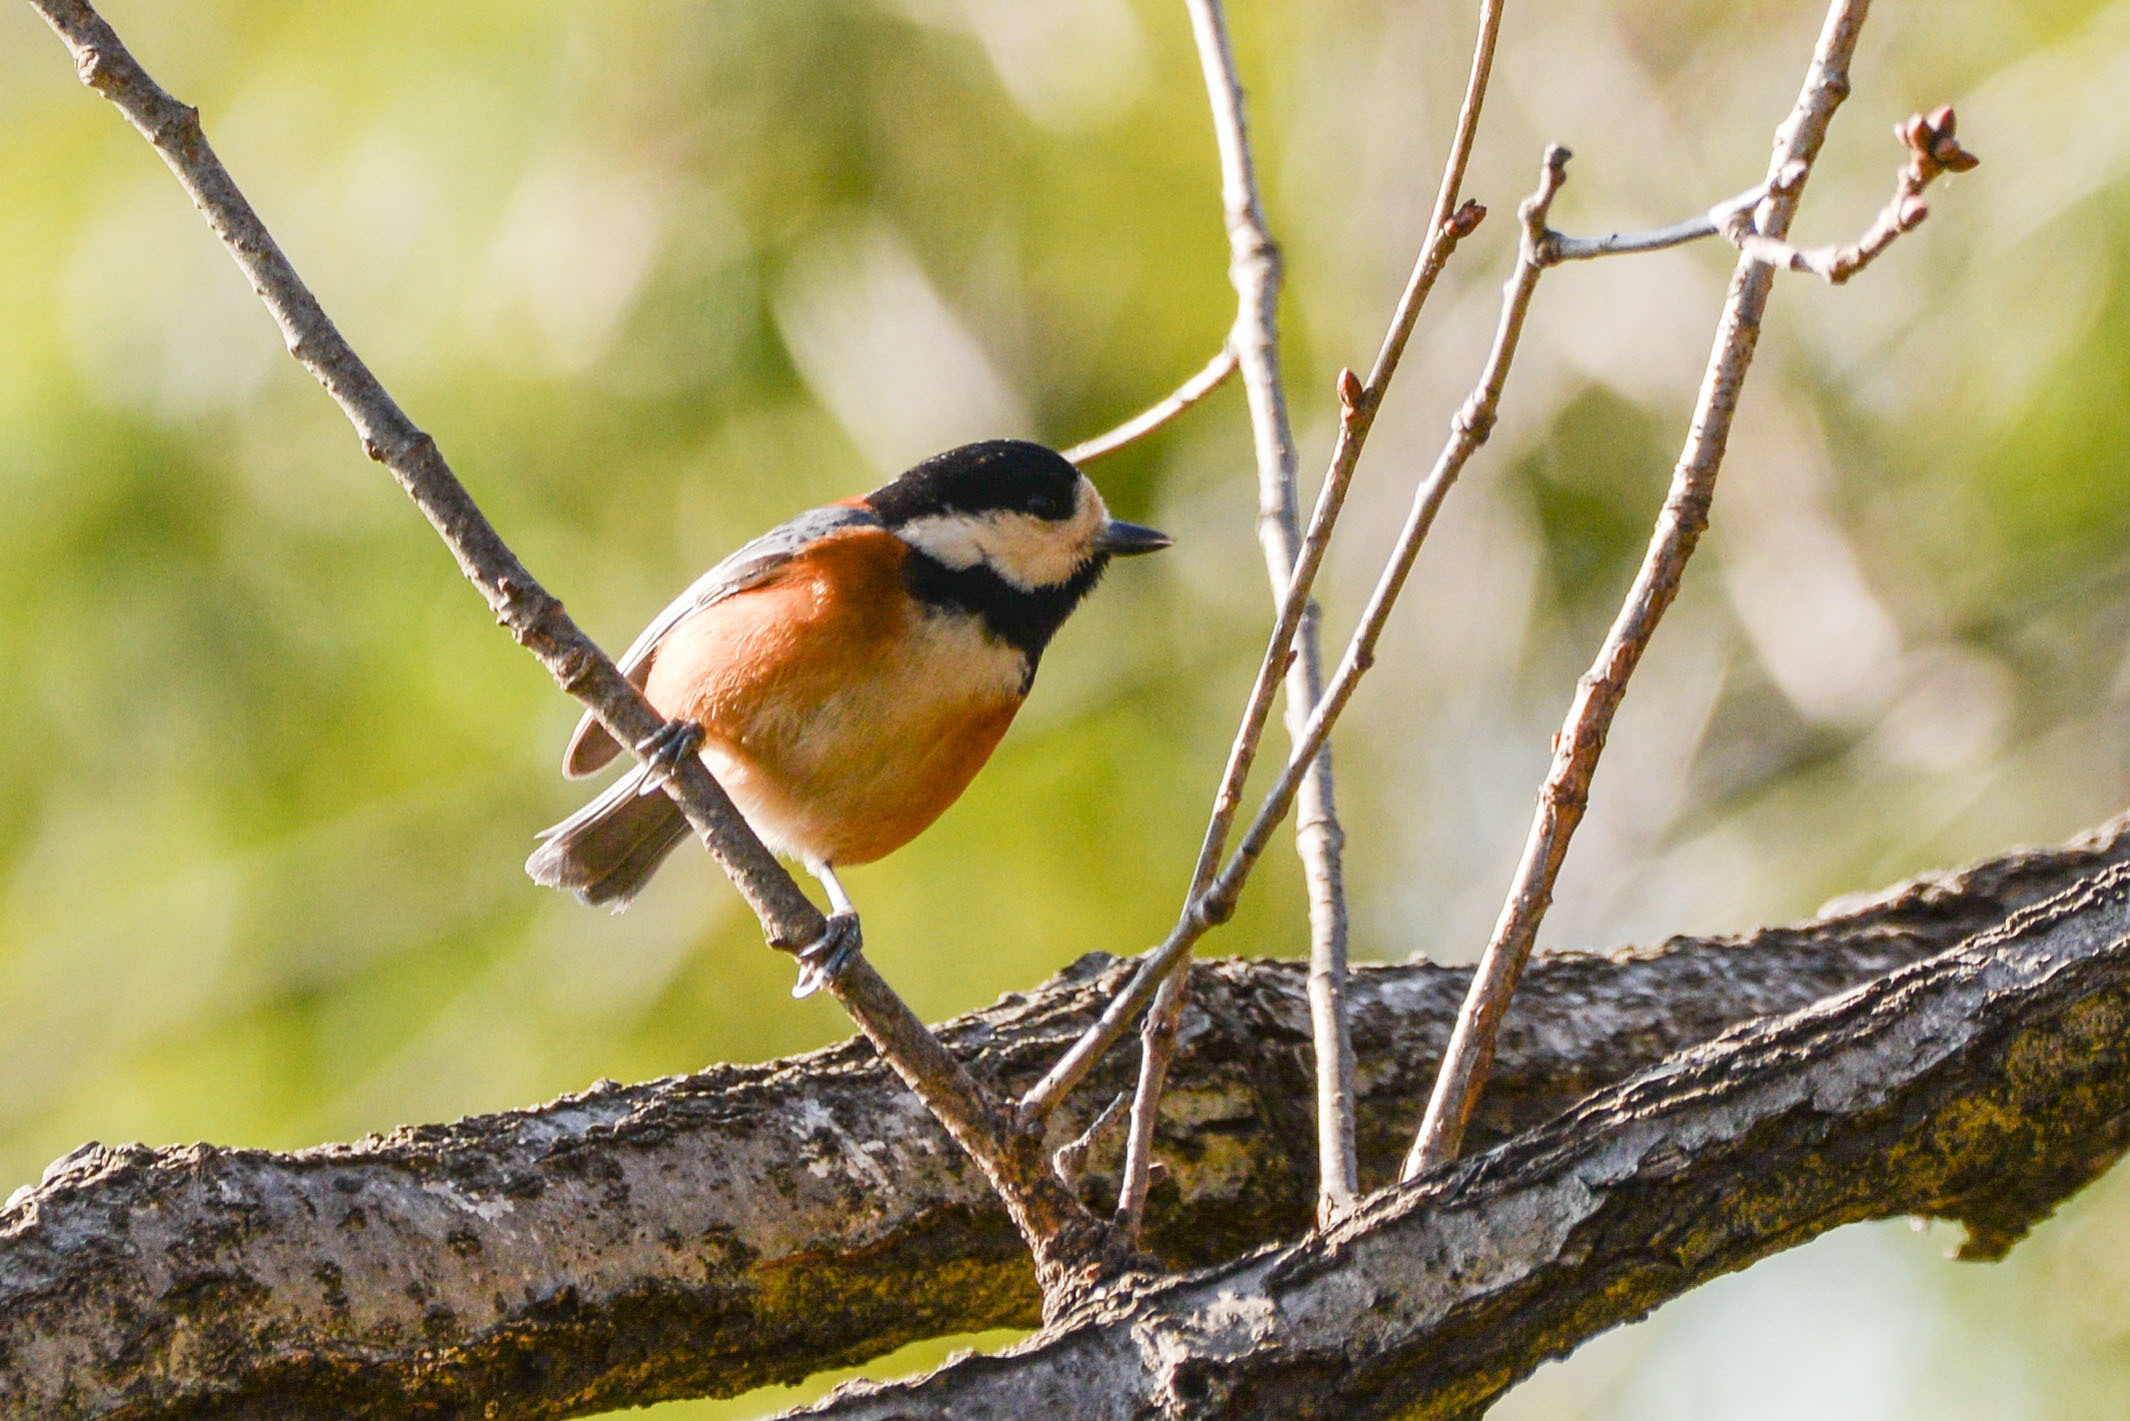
665 752
823 960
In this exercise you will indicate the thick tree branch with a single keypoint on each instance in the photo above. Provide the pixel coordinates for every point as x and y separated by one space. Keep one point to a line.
1984 1085
703 1235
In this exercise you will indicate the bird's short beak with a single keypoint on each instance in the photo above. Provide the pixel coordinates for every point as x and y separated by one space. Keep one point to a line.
1123 540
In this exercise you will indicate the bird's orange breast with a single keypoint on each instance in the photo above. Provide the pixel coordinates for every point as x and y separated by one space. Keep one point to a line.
841 715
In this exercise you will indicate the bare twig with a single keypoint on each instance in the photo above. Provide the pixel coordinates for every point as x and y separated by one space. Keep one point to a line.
1450 223
1679 526
1157 1049
1932 150
531 615
1468 431
1256 273
1560 247
1254 269
1070 1159
1189 393
1072 1248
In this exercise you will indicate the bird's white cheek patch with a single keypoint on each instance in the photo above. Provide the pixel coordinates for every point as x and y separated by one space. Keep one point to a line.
1027 551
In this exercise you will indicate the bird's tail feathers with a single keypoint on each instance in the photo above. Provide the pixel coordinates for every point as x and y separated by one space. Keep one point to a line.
609 849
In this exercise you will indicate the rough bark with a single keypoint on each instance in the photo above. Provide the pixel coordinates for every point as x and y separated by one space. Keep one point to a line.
707 1234
1983 1085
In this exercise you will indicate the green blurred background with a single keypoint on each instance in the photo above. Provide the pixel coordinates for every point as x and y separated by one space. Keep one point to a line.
657 275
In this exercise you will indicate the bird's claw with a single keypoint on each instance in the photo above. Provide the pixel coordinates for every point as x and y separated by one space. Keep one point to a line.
664 753
827 957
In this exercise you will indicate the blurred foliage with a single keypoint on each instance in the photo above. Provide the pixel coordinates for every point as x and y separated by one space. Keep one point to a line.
659 274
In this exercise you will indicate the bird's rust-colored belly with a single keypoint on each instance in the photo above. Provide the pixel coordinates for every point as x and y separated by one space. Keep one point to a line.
841 717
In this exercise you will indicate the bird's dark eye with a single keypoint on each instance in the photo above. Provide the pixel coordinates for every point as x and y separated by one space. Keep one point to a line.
1049 500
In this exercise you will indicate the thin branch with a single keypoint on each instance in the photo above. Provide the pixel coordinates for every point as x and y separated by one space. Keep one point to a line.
1469 430
358 1266
1679 525
1196 921
1072 1249
1451 223
1560 247
1933 150
1070 1159
1189 393
1254 269
531 615
1157 1049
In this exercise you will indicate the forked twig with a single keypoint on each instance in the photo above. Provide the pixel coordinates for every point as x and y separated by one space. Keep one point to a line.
1933 150
1254 270
1679 525
1189 393
1469 430
1338 1177
1073 1250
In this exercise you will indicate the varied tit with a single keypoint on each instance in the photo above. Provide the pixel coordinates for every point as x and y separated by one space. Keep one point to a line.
846 675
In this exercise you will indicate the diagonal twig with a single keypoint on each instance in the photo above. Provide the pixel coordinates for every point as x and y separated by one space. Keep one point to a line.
1217 903
1072 1249
1190 392
1679 524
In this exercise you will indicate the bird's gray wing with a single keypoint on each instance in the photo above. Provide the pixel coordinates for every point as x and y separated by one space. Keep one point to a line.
590 746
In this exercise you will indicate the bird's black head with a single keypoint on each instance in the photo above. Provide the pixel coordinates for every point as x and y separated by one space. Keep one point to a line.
996 476
1008 530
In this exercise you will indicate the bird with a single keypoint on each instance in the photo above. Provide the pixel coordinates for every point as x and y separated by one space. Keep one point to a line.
845 675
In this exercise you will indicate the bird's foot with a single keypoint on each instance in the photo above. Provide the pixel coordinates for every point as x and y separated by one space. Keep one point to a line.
664 753
825 959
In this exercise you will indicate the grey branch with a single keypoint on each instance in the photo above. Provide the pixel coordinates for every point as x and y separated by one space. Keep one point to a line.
1073 1251
1680 522
526 609
1189 393
707 1234
1982 1085
1254 269
1933 151
1558 247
